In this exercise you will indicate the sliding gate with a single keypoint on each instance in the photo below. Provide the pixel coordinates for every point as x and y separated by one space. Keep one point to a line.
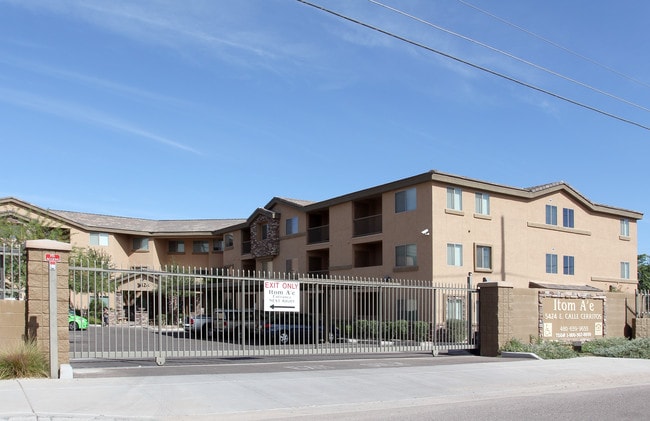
177 312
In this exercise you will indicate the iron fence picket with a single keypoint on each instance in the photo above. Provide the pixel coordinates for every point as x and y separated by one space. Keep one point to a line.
151 310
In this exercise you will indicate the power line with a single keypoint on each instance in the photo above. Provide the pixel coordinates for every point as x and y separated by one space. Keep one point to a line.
555 44
476 66
512 56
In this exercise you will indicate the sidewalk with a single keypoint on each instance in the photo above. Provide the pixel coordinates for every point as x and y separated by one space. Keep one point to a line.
278 395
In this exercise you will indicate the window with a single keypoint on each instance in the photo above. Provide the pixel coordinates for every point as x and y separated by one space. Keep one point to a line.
175 246
140 244
264 231
482 203
292 225
455 254
483 257
568 268
267 266
625 270
200 246
229 240
454 308
98 239
551 263
454 198
291 265
406 255
625 227
217 245
551 215
567 218
405 200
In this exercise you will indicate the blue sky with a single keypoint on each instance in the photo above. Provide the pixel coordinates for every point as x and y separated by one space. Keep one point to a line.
208 109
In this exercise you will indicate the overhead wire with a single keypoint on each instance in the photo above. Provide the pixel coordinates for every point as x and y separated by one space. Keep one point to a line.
476 66
512 56
557 45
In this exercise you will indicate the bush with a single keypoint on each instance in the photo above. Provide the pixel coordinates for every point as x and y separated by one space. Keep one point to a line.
456 330
618 348
548 350
24 361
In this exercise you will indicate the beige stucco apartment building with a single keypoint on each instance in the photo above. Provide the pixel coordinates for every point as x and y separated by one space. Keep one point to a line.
433 226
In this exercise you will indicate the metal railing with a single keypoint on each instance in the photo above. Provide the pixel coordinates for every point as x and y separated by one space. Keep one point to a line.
12 271
642 304
163 314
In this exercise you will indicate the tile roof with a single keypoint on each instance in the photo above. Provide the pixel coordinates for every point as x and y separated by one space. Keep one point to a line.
119 223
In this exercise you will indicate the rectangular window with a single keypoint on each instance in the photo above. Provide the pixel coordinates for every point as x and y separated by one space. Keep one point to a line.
200 246
625 227
406 255
567 218
625 270
264 234
551 215
483 257
568 267
291 265
454 308
551 263
175 246
482 203
292 226
454 198
217 245
229 240
98 239
140 244
405 200
455 254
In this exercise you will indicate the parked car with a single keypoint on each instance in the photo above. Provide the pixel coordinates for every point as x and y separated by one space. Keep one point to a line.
284 328
199 325
231 324
76 322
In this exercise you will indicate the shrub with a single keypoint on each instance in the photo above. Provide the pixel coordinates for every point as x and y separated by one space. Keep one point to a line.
618 348
548 350
456 330
420 331
25 361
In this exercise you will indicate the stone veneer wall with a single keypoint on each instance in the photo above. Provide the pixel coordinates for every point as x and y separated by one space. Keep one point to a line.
269 246
38 313
509 313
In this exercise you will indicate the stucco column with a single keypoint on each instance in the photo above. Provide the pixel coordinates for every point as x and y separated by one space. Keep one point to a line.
495 307
45 258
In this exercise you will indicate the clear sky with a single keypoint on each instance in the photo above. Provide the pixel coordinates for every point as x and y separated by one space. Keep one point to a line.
208 109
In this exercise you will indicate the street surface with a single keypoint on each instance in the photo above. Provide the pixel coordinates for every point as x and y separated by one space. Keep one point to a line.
401 388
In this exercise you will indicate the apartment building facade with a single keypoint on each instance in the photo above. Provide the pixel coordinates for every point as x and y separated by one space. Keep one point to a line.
432 226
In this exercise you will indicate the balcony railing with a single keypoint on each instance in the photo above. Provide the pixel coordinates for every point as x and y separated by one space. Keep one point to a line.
246 247
367 225
318 234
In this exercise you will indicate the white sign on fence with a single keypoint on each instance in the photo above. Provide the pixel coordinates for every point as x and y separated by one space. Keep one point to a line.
281 296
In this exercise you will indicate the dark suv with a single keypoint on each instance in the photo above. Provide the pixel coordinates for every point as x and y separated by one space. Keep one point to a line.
234 324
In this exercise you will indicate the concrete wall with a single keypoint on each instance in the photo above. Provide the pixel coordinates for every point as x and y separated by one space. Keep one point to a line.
12 324
514 313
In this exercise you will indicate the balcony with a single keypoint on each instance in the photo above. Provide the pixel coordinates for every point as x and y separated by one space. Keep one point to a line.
367 225
246 247
318 234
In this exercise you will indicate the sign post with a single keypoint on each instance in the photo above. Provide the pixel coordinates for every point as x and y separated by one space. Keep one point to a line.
281 296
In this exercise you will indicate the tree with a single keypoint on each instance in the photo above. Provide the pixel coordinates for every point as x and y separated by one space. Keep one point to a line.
13 234
85 278
643 263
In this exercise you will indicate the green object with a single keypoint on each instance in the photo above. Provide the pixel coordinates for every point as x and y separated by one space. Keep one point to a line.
76 322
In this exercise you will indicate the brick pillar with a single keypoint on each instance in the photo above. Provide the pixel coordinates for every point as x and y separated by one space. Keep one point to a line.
38 299
495 307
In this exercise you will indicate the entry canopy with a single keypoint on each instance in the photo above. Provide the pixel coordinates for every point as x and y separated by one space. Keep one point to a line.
561 287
